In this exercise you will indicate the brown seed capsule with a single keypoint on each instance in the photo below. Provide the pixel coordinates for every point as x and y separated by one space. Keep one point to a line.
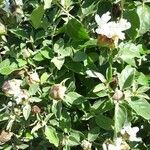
57 91
104 41
36 109
5 136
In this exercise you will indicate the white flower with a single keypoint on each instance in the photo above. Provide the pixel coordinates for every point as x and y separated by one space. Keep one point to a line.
23 95
101 21
12 87
115 146
111 29
86 145
34 77
57 91
131 132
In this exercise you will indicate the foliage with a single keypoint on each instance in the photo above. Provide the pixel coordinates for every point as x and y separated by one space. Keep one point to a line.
60 87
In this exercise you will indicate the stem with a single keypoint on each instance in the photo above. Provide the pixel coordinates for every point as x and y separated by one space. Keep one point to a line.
115 123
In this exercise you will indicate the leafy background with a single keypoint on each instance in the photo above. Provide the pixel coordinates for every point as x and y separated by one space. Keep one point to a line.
57 39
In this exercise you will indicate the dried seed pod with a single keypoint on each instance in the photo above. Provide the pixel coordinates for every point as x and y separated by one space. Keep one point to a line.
105 41
5 136
36 109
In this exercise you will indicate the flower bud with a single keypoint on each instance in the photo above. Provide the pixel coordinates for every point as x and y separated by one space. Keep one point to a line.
57 91
118 95
36 109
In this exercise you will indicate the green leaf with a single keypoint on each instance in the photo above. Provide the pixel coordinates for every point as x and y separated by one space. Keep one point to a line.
33 89
100 90
74 98
51 135
26 111
144 14
93 134
76 67
47 52
128 52
141 107
120 117
74 138
65 122
79 56
94 74
36 16
99 87
133 18
76 31
21 62
66 3
38 57
6 68
44 77
72 141
90 43
19 33
35 99
47 4
126 77
88 7
61 50
109 73
101 106
104 122
58 62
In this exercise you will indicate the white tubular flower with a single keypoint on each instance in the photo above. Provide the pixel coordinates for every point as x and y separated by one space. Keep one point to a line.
130 132
86 145
111 29
12 87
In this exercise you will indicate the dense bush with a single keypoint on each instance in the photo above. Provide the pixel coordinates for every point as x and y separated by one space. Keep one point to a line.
74 74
